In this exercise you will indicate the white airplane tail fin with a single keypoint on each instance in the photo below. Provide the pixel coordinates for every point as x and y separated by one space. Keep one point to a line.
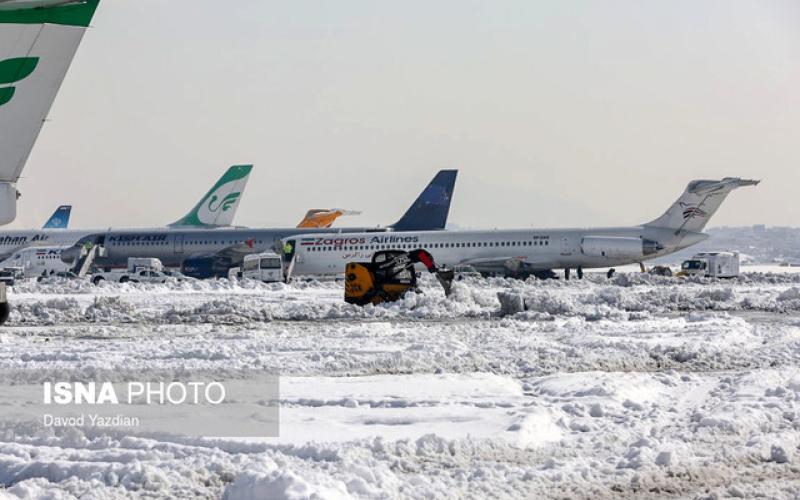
698 204
38 39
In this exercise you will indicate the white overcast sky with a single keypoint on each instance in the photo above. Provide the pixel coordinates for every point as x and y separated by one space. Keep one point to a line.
556 113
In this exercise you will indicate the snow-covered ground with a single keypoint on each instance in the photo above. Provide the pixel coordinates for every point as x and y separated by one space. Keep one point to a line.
637 386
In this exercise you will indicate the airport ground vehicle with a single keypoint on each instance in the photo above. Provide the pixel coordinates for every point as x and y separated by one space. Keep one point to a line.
661 271
10 275
176 274
266 267
388 276
140 270
712 265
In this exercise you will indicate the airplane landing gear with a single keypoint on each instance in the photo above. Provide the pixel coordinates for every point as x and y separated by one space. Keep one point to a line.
5 308
610 273
580 273
566 273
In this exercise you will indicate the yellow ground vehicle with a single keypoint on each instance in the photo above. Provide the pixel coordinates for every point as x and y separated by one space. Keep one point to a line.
388 276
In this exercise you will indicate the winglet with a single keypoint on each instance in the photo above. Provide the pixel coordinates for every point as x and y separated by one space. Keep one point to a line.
59 219
218 206
430 210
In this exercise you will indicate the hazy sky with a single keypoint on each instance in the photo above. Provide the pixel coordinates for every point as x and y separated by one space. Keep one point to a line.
556 113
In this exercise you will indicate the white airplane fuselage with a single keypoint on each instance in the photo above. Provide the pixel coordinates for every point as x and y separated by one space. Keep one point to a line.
498 250
521 251
12 241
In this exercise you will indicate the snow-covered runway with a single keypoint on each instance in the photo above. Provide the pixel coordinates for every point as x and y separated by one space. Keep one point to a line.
638 385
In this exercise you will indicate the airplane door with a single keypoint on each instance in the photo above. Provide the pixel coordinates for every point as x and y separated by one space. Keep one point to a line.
178 243
566 247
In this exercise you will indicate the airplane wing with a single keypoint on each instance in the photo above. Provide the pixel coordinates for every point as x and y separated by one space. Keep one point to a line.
233 253
208 265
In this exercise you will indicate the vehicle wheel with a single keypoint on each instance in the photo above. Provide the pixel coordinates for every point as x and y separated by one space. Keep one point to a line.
97 280
5 310
124 279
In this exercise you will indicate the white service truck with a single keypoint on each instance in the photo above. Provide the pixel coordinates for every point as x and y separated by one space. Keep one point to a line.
266 267
712 265
140 270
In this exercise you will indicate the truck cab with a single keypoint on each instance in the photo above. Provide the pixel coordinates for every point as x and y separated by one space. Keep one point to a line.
266 267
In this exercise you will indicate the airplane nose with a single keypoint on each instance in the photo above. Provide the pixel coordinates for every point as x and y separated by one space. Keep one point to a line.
71 255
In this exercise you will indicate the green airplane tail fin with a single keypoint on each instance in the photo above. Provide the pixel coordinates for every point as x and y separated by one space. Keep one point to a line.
219 205
38 40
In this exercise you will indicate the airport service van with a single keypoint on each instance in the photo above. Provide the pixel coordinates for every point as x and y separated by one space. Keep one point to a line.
266 267
712 265
140 270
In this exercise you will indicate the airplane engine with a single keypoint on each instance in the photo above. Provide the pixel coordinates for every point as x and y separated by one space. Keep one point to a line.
618 247
71 255
206 267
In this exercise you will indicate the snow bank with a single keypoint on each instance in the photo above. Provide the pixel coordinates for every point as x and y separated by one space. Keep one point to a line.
626 297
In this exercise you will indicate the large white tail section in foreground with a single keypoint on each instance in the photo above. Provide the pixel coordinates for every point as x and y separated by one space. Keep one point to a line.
698 204
38 40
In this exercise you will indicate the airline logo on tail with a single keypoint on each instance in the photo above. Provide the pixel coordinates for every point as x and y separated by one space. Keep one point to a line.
229 193
435 195
12 71
690 212
225 204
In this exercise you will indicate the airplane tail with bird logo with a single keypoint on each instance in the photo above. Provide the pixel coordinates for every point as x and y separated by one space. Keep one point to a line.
218 206
698 203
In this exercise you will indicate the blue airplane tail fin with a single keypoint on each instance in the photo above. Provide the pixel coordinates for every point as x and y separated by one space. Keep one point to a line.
429 211
59 219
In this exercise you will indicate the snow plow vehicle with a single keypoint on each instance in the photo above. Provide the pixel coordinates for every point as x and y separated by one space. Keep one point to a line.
389 275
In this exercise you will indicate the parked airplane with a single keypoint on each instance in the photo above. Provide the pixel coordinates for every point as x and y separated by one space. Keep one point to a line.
215 209
204 254
59 219
528 251
37 261
38 39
